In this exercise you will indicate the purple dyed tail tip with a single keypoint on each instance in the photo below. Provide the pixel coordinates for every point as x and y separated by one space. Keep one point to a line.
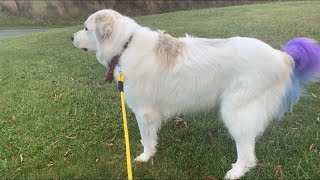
306 55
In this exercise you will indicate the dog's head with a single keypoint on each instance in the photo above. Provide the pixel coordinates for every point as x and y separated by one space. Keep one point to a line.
106 32
97 28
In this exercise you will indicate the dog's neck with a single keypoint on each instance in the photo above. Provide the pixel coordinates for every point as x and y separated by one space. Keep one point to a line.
115 61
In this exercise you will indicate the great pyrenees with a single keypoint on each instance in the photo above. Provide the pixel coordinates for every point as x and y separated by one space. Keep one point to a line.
249 81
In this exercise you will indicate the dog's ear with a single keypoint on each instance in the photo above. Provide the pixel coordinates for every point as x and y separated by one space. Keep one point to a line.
104 26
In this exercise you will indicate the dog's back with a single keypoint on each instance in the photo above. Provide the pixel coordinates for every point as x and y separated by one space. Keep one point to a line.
210 70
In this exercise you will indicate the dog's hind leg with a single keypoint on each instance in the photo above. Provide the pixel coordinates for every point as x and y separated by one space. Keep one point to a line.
245 119
149 124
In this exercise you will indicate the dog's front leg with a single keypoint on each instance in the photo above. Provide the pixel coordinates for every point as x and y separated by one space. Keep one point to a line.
149 124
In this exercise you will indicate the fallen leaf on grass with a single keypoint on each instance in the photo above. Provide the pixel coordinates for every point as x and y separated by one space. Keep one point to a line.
97 160
278 170
313 95
21 158
99 86
318 119
272 142
10 143
179 122
55 97
13 117
113 138
210 178
261 165
49 165
311 147
66 153
54 143
120 113
55 82
71 137
109 144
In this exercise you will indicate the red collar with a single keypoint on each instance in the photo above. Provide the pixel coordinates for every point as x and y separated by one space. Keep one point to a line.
115 61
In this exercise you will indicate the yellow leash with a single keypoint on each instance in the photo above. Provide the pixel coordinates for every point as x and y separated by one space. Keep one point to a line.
125 125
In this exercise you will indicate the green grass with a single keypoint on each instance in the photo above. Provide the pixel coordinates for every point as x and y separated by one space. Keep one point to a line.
50 90
9 21
16 22
20 22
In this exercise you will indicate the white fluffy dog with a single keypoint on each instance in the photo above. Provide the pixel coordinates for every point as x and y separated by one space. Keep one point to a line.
248 80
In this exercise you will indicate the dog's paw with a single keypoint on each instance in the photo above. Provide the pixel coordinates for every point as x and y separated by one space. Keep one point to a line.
239 169
142 158
234 173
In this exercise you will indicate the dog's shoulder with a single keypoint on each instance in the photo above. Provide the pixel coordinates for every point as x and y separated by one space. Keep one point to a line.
169 49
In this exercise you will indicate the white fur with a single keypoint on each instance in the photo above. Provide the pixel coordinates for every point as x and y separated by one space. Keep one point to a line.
244 77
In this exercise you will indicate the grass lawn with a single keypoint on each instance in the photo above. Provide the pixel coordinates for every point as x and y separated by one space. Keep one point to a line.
15 22
26 22
20 22
58 120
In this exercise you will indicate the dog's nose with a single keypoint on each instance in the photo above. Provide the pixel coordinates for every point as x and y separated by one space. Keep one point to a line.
72 38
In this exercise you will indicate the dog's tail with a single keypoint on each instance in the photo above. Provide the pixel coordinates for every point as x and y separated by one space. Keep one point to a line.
306 55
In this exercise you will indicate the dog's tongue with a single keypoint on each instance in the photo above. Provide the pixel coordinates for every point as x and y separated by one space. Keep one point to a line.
112 66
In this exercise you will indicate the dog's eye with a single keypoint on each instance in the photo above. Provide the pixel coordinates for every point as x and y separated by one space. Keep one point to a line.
86 29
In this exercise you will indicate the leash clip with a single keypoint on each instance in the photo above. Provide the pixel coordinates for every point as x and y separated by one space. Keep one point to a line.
120 81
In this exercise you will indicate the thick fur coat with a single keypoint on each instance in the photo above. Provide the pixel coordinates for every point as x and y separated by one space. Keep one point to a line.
249 81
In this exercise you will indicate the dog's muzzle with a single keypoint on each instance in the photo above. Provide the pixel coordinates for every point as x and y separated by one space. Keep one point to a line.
72 39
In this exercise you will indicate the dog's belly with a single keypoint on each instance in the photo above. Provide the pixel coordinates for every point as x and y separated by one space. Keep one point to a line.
190 97
176 96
